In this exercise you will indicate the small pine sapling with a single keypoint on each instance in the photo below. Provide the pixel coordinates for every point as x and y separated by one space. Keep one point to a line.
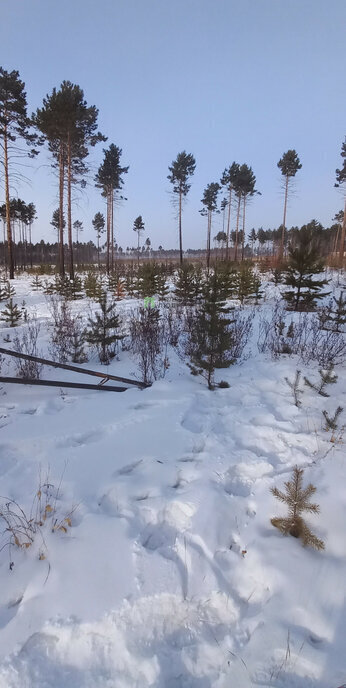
76 289
333 317
304 263
93 286
290 330
104 332
25 312
49 287
162 288
332 421
258 294
210 340
187 285
9 290
77 350
130 282
297 500
113 279
36 283
296 391
327 377
11 314
147 280
247 283
277 276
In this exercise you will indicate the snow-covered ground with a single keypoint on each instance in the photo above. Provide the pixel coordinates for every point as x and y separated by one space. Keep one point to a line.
171 574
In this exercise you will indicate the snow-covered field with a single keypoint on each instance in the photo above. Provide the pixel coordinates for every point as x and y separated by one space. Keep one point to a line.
171 574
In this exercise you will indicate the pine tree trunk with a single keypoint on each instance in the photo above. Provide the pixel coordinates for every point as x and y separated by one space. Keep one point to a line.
138 251
8 208
243 239
69 206
336 240
61 211
281 251
14 245
342 238
30 243
236 230
5 247
298 295
77 259
180 230
98 251
112 227
208 239
228 224
25 247
108 231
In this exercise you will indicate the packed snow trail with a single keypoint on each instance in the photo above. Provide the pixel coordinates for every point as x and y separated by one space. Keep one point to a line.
171 574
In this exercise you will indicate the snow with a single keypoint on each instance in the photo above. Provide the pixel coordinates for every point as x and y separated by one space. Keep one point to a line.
171 574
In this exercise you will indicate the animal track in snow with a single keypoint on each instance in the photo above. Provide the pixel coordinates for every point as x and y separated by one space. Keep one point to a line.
79 439
8 458
129 468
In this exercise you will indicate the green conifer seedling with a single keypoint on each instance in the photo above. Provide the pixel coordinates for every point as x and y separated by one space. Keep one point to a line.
297 500
104 330
11 314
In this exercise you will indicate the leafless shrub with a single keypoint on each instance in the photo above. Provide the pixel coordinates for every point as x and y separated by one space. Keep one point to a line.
26 343
303 337
67 333
147 343
241 328
325 346
172 316
60 341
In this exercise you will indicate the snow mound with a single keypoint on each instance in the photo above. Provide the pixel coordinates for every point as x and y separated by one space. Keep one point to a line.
157 641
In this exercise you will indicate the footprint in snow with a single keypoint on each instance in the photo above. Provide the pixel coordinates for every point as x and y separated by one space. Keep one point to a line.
156 536
79 439
8 611
7 459
129 468
28 411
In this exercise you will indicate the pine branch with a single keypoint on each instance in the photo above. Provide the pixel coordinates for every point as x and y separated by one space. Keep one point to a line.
295 388
331 421
327 377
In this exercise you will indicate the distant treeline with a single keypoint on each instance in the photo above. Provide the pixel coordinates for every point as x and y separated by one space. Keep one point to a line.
260 243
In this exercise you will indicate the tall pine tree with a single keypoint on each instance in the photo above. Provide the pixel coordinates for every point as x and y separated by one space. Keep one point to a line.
138 226
341 182
228 180
109 178
98 223
209 202
14 124
181 169
289 165
69 126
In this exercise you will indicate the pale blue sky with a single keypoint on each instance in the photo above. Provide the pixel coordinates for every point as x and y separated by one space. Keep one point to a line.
224 80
